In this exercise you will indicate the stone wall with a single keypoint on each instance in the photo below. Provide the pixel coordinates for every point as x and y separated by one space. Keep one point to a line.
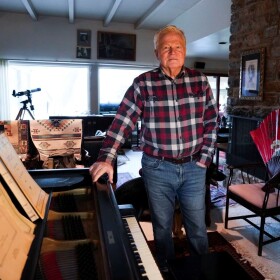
255 24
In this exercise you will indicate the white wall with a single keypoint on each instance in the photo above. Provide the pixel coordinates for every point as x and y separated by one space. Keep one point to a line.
55 39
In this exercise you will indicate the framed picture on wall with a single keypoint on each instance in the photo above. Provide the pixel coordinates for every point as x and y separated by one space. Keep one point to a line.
83 52
252 74
84 38
120 46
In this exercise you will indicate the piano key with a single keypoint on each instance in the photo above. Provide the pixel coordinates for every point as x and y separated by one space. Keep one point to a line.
151 270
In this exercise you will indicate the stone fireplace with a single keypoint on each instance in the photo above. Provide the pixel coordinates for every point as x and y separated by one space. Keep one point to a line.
255 24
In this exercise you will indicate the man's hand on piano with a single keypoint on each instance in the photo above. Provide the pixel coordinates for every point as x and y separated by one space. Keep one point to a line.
98 169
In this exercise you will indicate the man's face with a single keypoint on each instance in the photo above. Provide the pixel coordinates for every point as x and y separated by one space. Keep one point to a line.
171 51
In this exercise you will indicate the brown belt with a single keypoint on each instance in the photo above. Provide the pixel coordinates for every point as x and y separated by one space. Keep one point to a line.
176 160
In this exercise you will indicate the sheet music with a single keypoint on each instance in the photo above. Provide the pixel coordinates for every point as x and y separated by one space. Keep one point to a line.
24 224
16 236
27 207
35 195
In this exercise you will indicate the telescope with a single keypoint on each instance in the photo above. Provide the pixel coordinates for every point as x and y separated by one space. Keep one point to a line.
27 92
24 108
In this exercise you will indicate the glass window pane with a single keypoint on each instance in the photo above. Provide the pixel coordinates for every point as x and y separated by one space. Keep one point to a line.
213 84
64 89
113 83
223 91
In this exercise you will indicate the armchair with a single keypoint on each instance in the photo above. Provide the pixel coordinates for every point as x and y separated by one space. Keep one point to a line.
260 197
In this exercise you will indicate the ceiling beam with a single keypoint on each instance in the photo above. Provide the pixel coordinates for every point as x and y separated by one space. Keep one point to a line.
29 7
71 9
150 12
112 12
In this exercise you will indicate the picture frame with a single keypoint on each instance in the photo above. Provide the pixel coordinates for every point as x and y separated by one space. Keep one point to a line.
83 52
252 74
83 38
116 46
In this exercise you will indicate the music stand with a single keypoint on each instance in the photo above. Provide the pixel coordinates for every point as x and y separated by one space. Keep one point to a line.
24 108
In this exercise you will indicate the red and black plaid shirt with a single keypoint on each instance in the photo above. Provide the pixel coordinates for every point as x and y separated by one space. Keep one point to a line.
178 116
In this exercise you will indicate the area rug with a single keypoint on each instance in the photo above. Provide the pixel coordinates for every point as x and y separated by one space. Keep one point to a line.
218 196
217 243
244 238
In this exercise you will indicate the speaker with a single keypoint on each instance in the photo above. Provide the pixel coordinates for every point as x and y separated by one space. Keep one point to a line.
199 65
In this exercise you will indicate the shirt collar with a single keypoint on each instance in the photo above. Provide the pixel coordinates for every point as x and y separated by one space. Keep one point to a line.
180 75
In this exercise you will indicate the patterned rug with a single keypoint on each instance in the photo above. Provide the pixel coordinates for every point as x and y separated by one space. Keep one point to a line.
218 196
217 243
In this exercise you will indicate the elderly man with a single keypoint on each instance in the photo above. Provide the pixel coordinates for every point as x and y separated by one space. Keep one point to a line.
178 115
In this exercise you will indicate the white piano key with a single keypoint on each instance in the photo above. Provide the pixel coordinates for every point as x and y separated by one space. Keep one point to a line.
147 259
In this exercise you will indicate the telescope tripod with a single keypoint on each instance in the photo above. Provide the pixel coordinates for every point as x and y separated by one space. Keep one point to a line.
22 110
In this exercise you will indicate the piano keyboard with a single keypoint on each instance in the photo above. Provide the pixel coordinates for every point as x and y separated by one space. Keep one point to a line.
145 260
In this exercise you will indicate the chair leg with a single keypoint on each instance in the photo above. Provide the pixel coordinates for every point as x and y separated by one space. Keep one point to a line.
226 212
261 236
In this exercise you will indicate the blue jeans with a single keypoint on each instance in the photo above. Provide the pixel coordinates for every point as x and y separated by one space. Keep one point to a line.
165 182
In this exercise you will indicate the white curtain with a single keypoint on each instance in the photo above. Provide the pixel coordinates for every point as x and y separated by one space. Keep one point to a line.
4 100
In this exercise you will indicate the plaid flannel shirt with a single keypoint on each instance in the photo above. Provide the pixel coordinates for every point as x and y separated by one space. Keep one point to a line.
178 116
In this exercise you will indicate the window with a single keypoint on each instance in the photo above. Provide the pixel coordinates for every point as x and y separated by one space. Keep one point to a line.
64 89
219 86
113 83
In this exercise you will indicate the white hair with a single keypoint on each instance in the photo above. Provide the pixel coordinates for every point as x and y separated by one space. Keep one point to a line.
168 29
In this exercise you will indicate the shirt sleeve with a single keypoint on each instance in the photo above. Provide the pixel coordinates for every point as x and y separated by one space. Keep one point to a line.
122 125
210 128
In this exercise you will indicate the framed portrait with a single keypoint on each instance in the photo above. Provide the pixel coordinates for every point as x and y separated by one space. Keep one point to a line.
252 74
119 46
83 52
84 38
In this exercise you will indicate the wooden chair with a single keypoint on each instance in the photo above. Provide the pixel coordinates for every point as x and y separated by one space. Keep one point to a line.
260 197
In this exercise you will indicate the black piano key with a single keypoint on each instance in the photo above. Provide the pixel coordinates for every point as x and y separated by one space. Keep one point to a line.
147 267
142 269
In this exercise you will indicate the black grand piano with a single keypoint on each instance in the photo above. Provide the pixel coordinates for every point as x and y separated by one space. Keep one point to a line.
85 234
